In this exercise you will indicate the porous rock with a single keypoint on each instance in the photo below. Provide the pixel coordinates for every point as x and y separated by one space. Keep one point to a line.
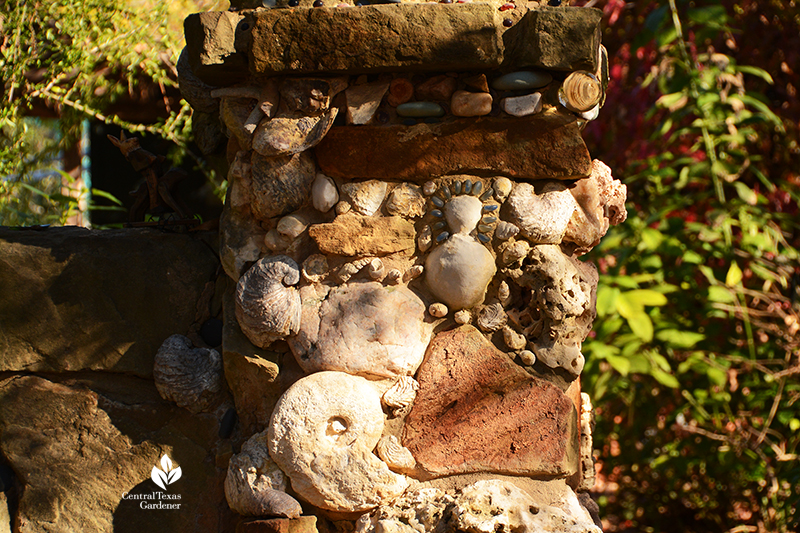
362 328
461 422
406 200
542 215
356 235
322 434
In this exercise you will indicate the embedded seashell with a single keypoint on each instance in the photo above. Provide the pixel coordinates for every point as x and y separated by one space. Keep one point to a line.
590 115
492 317
401 394
366 197
429 188
324 194
255 486
515 252
347 271
513 340
463 213
191 377
406 200
505 230
290 133
395 455
462 317
580 92
376 269
322 434
542 216
315 267
275 241
438 310
267 306
394 276
280 185
504 293
413 273
343 207
527 357
502 188
292 226
425 239
458 271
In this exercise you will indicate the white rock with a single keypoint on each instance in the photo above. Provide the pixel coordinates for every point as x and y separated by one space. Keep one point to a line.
366 197
291 226
458 271
463 213
395 455
542 217
255 486
467 104
502 188
363 329
322 434
513 340
438 310
462 317
363 101
425 239
505 230
324 194
522 106
406 200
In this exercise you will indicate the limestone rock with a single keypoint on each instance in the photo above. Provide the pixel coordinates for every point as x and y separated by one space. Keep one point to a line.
291 133
255 486
78 300
324 194
467 146
355 235
363 101
416 510
362 328
234 113
467 104
5 515
211 47
542 216
458 271
366 197
282 184
241 239
406 200
478 411
191 377
322 434
302 524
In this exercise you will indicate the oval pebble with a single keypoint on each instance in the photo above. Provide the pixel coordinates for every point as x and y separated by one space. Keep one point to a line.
420 109
524 79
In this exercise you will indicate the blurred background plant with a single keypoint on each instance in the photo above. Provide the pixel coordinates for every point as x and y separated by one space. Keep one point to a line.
68 70
694 360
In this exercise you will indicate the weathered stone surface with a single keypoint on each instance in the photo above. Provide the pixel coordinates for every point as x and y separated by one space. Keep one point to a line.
362 328
291 133
322 435
193 89
438 88
538 147
303 524
542 213
365 197
189 376
522 106
562 38
406 200
282 184
234 113
78 447
363 101
75 299
374 38
351 235
241 239
211 46
459 270
477 411
5 515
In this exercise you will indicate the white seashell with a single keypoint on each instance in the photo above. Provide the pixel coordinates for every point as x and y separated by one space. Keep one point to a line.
505 230
347 271
324 194
401 394
315 267
343 207
492 317
406 200
267 306
275 241
366 197
513 340
191 377
502 188
462 317
528 357
429 188
425 239
394 276
542 216
503 293
438 310
376 269
413 273
291 226
395 455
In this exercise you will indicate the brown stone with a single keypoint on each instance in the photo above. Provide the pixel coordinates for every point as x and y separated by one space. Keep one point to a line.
478 83
351 235
477 411
304 524
375 38
280 184
543 146
211 47
439 88
401 90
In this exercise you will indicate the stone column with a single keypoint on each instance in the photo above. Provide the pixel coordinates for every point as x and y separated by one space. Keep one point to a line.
409 196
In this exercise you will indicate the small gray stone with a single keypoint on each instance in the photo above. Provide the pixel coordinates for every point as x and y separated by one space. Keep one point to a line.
522 106
420 109
526 79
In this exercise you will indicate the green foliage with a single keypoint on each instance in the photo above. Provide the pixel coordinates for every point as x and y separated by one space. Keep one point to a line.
695 355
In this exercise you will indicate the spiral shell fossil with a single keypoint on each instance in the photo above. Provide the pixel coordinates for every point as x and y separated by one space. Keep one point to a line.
267 306
395 455
492 317
191 377
401 394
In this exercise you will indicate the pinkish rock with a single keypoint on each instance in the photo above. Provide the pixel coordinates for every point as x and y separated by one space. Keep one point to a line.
467 104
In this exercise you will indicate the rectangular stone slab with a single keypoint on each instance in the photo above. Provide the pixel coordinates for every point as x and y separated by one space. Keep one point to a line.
532 148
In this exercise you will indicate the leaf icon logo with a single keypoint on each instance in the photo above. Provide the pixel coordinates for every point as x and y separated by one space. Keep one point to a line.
167 475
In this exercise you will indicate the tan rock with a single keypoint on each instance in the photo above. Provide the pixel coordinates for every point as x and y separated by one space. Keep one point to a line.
458 424
291 133
406 200
478 83
351 235
363 101
281 184
467 104
302 524
458 271
542 214
365 197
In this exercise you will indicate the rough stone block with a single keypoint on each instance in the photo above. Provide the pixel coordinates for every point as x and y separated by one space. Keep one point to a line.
543 146
304 524
352 235
211 43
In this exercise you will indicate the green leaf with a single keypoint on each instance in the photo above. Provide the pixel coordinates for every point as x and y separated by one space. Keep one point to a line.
618 363
748 195
692 257
679 339
720 295
606 299
705 15
668 380
755 71
642 297
651 238
641 325
734 275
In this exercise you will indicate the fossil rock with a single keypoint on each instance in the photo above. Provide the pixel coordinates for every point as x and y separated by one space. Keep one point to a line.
492 317
416 511
391 452
543 215
322 434
280 185
291 133
366 197
458 271
241 241
324 194
255 486
362 329
191 377
406 200
267 306
401 394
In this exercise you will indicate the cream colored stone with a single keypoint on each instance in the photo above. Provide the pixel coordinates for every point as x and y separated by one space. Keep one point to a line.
543 215
363 101
458 271
366 197
438 310
406 200
467 104
463 213
502 188
291 226
322 434
522 106
324 194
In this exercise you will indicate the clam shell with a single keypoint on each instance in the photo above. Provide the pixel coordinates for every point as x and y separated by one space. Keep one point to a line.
395 455
366 197
191 377
401 394
505 230
315 267
492 317
280 185
267 307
